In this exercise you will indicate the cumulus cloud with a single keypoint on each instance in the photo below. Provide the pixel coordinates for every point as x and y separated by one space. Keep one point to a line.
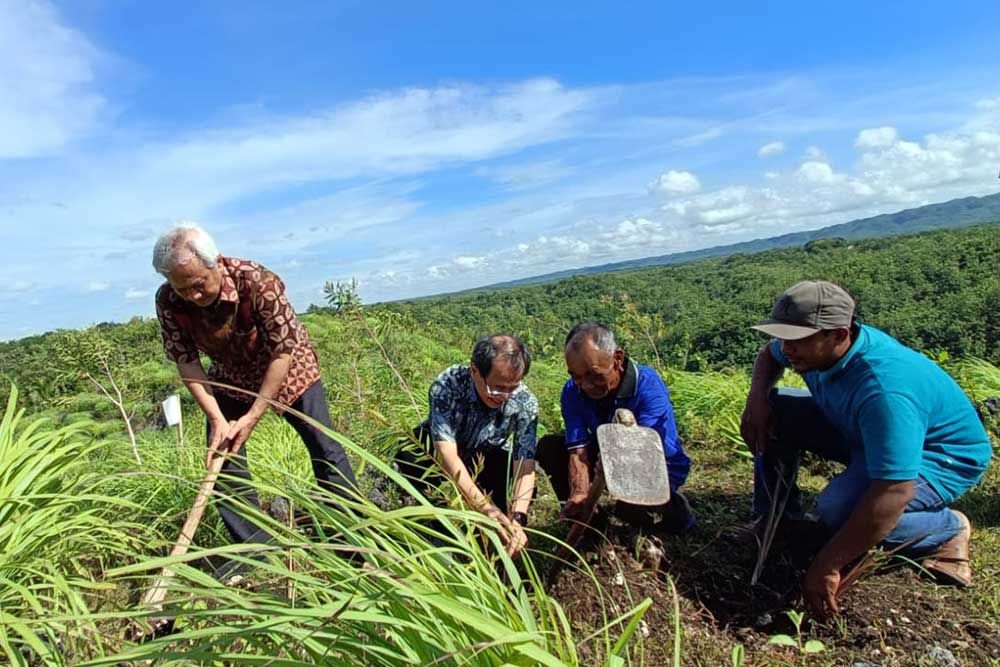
47 78
675 182
878 137
378 186
134 294
771 149
710 209
816 172
890 172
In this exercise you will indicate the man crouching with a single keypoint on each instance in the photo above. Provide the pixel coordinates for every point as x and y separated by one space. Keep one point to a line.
474 410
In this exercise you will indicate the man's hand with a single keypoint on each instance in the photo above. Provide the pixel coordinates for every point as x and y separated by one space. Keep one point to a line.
575 508
757 423
217 444
511 533
819 588
240 430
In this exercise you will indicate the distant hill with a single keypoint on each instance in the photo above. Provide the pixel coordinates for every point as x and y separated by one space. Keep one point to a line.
950 214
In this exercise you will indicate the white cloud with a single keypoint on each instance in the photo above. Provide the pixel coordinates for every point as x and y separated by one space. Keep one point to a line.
379 187
771 149
469 262
553 232
47 79
675 182
401 132
134 294
96 286
816 172
878 137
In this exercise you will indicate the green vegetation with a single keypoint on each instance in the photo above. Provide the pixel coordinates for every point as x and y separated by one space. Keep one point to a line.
84 525
947 215
936 292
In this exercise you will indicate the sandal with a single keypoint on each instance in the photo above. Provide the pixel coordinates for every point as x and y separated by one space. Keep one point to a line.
950 565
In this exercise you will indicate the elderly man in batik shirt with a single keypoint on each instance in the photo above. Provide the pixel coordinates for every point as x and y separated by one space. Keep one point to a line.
235 311
483 417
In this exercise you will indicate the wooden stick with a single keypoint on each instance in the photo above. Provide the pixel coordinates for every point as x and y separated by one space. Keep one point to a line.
153 598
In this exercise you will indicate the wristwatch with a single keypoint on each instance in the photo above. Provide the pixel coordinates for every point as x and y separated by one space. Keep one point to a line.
520 517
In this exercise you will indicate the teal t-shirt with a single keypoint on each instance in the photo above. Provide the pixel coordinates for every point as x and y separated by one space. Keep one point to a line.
902 413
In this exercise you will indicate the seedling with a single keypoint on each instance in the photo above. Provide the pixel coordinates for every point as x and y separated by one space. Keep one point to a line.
810 646
739 655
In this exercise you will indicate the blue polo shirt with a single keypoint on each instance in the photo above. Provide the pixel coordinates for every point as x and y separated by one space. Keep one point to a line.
644 393
902 413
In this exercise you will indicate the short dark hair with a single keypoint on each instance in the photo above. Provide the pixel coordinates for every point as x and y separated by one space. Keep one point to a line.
600 334
504 346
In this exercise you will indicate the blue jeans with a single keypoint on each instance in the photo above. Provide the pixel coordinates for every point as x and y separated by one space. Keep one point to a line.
800 426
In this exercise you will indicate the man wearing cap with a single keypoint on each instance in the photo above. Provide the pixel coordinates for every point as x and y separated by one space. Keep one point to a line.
911 440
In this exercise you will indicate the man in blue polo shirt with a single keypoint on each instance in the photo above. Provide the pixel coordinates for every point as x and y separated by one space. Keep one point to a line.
911 440
602 379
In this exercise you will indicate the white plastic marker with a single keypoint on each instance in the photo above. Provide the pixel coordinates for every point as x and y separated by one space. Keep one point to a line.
172 413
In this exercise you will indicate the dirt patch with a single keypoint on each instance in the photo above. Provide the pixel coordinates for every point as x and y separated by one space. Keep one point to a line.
892 617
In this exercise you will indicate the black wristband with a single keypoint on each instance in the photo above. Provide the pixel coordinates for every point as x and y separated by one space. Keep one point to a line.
520 517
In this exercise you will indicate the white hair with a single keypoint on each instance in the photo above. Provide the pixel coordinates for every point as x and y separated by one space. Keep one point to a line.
595 332
180 244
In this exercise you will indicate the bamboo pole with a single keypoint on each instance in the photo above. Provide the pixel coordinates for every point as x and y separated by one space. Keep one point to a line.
153 598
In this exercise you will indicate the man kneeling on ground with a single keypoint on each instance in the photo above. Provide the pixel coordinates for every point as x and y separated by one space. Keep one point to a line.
474 410
603 379
911 440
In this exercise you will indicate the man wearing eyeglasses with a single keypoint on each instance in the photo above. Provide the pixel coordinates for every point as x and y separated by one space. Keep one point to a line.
475 411
603 379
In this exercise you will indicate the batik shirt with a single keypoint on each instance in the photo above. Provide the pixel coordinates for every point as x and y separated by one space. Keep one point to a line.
248 325
458 415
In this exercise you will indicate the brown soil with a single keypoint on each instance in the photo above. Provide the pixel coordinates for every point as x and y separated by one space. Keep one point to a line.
892 617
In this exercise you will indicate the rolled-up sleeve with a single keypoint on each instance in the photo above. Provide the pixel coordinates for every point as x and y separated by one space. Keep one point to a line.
577 433
178 344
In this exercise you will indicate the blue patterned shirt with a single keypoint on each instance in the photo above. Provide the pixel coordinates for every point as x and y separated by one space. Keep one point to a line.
458 415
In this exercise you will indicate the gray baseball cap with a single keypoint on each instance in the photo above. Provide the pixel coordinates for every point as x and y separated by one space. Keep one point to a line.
808 307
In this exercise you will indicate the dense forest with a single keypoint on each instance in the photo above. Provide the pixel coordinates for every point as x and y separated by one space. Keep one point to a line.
938 292
94 486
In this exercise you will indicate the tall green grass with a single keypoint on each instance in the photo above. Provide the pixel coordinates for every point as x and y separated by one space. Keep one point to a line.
56 535
359 586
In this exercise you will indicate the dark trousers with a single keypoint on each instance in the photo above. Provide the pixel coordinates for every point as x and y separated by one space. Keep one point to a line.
416 463
330 465
553 457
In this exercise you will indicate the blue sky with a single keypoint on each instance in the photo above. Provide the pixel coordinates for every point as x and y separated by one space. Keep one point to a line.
427 147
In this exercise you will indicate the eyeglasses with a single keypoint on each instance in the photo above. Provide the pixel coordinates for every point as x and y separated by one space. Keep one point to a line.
499 394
